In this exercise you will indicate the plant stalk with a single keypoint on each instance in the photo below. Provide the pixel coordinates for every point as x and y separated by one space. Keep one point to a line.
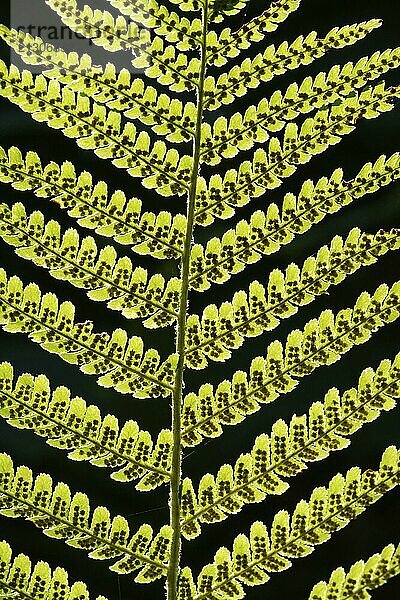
177 397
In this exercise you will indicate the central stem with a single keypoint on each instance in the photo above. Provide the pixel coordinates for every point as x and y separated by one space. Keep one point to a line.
176 472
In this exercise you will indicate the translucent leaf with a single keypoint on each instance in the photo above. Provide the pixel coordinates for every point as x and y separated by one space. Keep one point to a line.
313 522
240 79
322 342
116 360
68 517
250 313
218 197
68 423
95 128
94 207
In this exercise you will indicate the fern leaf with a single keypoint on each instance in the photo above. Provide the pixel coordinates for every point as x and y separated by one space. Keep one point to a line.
95 128
361 577
322 342
68 423
286 451
260 309
117 361
97 106
185 33
106 277
66 516
228 44
312 523
119 91
21 580
158 61
226 139
242 78
266 232
110 215
268 169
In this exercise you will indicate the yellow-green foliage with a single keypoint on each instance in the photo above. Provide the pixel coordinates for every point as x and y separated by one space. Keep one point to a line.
70 424
260 308
117 360
322 342
361 577
291 536
225 139
286 451
267 169
19 578
110 215
67 257
161 127
158 59
267 231
66 516
96 128
276 61
166 116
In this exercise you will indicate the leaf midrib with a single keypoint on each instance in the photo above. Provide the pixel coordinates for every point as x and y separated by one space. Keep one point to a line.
391 572
14 590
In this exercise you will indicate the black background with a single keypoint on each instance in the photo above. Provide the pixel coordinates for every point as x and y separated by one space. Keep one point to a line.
380 524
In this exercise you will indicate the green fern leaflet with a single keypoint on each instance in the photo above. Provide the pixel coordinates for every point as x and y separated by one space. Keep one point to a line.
197 123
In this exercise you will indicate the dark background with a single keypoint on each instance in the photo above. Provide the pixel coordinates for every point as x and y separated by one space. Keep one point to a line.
380 524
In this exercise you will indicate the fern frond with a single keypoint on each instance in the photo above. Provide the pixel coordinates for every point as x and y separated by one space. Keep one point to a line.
229 44
322 342
226 139
105 276
68 423
21 580
119 117
286 451
185 33
266 170
118 91
111 215
117 361
95 128
158 61
66 516
240 79
361 577
266 232
312 523
258 309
